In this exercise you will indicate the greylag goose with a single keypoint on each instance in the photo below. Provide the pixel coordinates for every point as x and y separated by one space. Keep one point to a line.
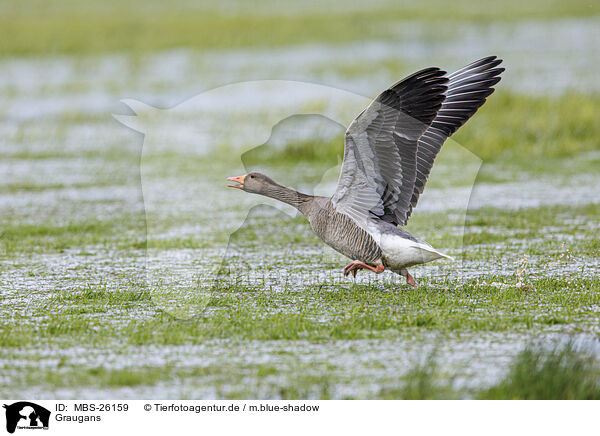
388 154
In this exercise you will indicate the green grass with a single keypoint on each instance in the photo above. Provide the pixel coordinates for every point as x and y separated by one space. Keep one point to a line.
525 130
320 313
65 376
18 237
556 373
326 153
104 304
105 315
76 312
99 377
37 27
559 374
547 228
423 381
536 134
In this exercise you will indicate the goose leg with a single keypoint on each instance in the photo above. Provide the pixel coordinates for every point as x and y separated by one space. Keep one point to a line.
356 265
411 280
352 268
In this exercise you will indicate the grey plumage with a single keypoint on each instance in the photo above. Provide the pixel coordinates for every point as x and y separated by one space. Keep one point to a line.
389 151
468 89
336 229
379 168
339 231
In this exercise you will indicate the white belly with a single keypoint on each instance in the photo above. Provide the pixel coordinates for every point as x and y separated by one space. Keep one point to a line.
399 253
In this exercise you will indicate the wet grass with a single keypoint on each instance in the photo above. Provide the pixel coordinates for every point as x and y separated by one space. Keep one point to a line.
423 381
561 373
36 27
347 312
551 230
76 313
554 371
20 237
100 377
514 132
110 313
101 303
506 128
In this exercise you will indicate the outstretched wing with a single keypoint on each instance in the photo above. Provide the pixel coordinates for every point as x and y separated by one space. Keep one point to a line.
379 169
467 90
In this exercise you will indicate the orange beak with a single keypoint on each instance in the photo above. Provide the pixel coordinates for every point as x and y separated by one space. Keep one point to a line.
238 179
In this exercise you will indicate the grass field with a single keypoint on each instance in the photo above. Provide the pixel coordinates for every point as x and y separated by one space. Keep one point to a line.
67 26
515 316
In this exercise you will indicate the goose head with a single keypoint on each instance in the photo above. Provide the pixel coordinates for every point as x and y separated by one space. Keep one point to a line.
256 183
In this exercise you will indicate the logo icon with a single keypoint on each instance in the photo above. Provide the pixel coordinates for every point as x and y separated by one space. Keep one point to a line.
26 415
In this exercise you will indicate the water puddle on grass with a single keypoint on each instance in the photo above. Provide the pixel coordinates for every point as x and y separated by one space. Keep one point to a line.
275 369
566 56
66 164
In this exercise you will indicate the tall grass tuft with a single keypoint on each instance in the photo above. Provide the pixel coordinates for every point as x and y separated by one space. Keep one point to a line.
422 382
559 374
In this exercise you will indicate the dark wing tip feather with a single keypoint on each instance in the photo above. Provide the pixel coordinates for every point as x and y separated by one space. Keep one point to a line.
433 103
480 65
419 95
393 126
468 89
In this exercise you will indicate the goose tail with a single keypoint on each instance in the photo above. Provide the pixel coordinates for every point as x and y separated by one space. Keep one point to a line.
436 254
